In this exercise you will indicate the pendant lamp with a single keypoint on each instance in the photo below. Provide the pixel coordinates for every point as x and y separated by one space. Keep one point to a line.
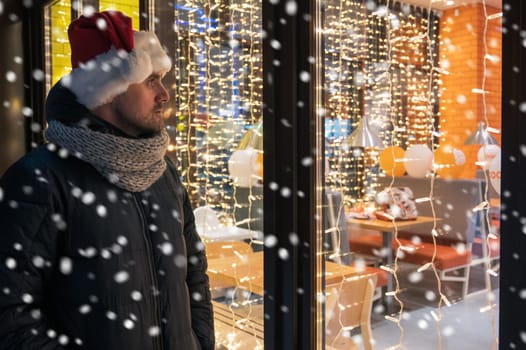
363 136
480 137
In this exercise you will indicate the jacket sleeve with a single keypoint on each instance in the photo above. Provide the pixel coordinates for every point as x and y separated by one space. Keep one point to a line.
28 231
197 280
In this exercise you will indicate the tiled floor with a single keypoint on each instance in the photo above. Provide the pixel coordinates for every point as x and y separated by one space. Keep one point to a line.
462 327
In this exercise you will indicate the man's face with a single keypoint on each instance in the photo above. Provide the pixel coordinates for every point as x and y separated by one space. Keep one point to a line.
139 110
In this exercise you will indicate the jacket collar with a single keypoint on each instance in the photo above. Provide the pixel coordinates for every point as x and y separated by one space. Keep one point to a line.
62 106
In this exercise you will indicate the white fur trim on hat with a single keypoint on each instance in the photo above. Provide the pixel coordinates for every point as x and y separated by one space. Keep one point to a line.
109 74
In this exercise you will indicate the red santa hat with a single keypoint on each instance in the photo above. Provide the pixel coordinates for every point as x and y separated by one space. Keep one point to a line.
107 55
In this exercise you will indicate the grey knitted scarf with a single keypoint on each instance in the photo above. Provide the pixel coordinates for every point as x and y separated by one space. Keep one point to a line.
131 164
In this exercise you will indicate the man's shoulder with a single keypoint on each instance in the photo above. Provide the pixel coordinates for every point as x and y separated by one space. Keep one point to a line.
41 162
28 175
41 158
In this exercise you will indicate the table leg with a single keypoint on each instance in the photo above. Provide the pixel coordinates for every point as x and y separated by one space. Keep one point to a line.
387 238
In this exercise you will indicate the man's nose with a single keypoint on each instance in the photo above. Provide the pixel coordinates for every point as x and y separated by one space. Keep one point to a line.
162 94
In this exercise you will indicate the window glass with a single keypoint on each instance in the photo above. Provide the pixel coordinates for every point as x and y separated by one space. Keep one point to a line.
217 141
219 151
412 169
129 7
58 52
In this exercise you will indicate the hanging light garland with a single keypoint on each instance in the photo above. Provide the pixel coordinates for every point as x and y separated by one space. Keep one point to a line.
219 91
361 80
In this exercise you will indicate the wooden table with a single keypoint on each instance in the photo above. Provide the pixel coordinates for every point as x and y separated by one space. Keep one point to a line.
387 228
246 271
238 325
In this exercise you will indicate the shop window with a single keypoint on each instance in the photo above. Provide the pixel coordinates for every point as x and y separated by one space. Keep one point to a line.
219 151
401 74
409 200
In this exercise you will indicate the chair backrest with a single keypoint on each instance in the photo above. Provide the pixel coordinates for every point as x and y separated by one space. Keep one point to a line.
454 201
336 238
220 249
206 219
348 305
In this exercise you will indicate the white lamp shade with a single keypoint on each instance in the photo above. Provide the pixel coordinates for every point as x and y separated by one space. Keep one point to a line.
243 167
418 160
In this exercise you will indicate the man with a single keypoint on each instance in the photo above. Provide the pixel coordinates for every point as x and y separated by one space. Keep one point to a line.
97 237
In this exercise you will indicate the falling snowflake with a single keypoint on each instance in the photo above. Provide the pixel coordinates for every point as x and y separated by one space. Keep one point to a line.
197 296
285 192
128 324
291 7
63 339
305 76
180 260
27 298
271 241
66 265
136 295
121 276
38 261
10 76
123 241
275 44
166 248
10 263
423 324
154 331
88 198
283 253
85 309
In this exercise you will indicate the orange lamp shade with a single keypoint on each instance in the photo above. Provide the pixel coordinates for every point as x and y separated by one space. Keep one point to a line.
391 161
448 162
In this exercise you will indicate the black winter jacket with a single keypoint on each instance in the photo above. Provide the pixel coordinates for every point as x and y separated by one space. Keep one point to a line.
87 265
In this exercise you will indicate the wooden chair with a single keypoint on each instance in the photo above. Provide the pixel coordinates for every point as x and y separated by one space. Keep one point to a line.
347 306
453 203
337 242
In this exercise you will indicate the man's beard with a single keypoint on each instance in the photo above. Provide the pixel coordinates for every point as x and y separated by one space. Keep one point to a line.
142 125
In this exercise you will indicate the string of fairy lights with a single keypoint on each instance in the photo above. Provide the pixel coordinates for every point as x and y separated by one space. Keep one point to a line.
426 111
491 236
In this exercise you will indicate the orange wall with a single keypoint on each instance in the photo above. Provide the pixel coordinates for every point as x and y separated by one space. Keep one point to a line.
462 51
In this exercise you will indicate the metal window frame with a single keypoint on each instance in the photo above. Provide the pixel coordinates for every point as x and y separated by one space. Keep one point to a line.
513 242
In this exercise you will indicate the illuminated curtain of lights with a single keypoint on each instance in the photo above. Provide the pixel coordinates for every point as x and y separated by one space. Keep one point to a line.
361 80
219 85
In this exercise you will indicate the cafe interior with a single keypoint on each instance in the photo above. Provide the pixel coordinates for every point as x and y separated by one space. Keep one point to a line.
343 158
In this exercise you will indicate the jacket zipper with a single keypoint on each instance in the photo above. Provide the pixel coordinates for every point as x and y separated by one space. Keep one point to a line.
157 343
